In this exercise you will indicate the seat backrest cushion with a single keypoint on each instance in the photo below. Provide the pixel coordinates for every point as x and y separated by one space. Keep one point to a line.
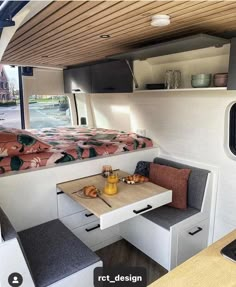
174 179
7 229
196 182
143 168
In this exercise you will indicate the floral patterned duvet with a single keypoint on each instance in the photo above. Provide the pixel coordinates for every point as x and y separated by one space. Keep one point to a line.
73 143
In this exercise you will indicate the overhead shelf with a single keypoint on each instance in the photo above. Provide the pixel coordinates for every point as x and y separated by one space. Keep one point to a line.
184 90
185 44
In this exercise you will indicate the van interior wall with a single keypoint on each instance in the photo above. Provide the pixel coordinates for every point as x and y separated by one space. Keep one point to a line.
187 125
111 111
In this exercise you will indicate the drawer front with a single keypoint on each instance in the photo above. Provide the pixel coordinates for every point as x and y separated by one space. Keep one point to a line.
192 240
91 234
67 206
132 210
78 219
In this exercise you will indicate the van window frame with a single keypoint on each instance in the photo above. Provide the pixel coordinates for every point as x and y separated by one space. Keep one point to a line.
232 129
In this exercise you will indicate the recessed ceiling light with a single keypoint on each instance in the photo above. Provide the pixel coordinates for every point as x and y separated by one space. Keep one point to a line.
160 20
105 36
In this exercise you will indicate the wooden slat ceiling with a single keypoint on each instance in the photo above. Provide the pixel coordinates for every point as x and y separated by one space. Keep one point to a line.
68 33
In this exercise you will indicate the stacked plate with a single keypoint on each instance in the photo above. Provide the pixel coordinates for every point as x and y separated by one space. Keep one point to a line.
220 80
201 80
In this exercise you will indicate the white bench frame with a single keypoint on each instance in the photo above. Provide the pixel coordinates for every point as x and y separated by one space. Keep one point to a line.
164 246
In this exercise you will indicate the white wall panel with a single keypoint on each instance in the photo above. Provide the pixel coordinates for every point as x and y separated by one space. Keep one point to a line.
188 125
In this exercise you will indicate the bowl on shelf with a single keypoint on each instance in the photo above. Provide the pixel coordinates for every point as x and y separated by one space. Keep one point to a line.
201 80
220 80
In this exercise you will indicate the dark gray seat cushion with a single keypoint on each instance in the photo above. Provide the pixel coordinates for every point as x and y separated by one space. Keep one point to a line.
196 182
54 252
167 216
7 230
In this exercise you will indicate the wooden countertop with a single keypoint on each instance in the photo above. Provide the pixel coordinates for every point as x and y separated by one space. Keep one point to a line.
127 195
206 269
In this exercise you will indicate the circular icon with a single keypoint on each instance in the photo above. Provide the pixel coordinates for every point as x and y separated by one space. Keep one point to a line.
15 280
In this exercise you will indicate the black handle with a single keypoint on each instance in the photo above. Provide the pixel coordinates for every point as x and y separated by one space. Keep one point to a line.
109 88
92 228
88 214
60 192
195 232
143 209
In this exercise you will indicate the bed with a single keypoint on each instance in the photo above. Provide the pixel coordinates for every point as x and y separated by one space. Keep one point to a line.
65 144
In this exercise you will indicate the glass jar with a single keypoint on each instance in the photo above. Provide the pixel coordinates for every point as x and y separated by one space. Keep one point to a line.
176 83
169 79
110 188
106 170
113 178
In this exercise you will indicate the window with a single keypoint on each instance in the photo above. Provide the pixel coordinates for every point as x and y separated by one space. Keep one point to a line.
232 129
49 111
10 111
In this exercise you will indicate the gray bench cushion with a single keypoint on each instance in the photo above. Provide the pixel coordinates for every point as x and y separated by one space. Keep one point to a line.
54 252
7 230
167 216
196 182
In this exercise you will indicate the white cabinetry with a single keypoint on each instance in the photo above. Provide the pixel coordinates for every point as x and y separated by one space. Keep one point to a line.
192 240
208 60
171 247
84 224
150 238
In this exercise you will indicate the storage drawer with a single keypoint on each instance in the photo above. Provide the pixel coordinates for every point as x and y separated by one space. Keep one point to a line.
78 219
91 234
192 240
67 206
135 209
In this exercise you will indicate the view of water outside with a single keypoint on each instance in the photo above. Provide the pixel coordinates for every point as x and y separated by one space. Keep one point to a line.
45 111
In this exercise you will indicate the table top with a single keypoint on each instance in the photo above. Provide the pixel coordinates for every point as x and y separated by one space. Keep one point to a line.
206 269
127 194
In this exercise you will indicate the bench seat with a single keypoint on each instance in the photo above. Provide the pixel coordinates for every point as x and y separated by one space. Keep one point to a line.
54 252
167 216
169 235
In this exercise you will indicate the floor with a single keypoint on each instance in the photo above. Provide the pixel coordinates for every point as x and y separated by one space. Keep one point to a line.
125 254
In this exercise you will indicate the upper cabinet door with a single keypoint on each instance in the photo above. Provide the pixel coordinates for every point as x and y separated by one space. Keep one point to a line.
111 77
78 80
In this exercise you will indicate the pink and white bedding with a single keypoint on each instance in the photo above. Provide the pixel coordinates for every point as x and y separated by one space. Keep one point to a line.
72 143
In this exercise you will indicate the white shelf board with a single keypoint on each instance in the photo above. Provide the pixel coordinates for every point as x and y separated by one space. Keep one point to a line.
184 90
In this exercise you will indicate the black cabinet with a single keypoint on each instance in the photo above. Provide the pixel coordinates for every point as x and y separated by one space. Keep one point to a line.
77 80
184 44
105 77
111 77
232 66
